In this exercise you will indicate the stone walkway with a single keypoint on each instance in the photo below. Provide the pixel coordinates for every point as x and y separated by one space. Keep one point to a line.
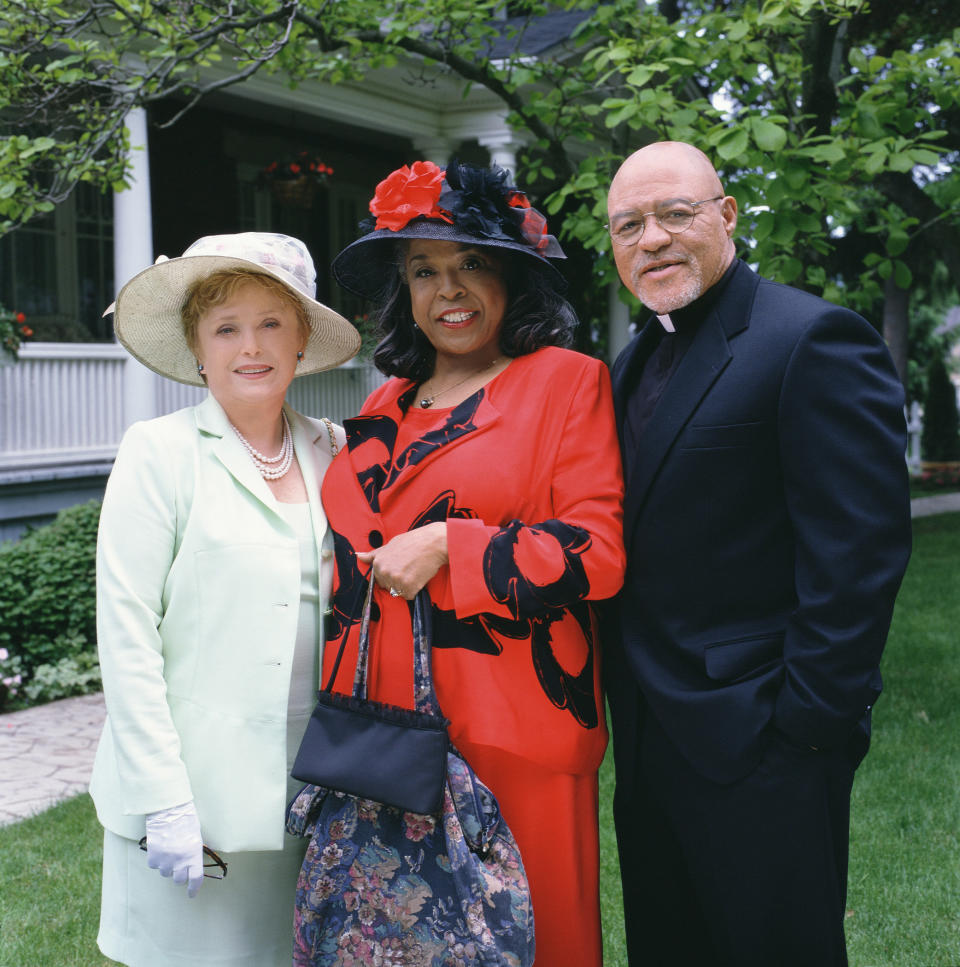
46 753
940 504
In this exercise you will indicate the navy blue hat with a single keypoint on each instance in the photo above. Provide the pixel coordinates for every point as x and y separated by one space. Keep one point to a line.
462 203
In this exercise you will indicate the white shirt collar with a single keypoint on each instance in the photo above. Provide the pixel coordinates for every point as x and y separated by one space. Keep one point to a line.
667 323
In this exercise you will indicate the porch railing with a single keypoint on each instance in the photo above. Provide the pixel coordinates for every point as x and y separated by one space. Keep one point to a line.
66 405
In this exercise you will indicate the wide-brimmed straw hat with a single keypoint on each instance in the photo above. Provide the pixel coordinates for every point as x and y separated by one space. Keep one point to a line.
147 313
462 203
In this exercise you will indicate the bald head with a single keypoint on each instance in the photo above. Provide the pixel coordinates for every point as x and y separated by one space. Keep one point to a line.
676 157
664 270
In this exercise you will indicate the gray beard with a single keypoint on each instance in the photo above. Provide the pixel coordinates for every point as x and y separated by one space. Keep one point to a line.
689 292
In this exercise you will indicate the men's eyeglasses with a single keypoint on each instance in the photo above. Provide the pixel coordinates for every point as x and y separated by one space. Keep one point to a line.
215 862
674 218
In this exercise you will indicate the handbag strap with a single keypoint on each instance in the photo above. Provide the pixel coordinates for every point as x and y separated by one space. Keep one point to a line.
424 693
334 449
363 646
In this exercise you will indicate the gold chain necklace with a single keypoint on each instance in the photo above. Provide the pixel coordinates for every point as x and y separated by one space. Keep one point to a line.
428 401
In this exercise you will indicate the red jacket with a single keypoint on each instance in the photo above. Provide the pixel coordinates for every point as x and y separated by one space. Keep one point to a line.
526 472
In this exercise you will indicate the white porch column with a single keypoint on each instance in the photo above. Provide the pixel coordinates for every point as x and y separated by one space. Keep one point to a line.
435 148
503 148
618 321
133 252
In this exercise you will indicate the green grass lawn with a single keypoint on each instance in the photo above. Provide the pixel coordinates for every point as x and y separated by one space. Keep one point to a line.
50 888
904 896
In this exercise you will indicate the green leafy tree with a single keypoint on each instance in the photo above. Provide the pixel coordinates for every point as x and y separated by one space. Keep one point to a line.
834 123
933 296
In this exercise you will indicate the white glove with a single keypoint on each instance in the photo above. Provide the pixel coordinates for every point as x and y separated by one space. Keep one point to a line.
175 846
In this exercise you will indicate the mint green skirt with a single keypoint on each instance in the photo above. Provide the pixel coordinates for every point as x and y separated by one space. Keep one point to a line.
246 920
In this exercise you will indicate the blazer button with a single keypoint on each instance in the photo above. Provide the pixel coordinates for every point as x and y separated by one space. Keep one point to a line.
375 538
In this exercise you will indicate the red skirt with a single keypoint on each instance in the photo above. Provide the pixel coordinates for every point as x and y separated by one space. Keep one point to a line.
554 817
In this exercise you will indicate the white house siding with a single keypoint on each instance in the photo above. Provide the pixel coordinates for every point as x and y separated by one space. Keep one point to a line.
63 411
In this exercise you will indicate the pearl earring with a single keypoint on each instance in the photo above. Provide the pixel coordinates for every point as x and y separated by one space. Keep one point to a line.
199 367
300 356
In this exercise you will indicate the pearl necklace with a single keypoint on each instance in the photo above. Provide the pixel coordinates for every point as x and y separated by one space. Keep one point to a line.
428 401
271 468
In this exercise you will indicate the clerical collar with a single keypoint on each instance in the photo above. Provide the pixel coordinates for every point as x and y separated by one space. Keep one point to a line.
690 316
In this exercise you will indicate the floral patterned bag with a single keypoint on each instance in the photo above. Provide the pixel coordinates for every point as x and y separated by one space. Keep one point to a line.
383 886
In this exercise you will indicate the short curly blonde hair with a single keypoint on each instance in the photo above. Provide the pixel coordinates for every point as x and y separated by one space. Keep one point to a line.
215 289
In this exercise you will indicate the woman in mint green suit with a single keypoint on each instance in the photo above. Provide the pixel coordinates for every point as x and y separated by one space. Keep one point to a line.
214 564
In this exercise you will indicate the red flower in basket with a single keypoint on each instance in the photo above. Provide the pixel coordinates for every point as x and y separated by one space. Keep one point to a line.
13 330
408 193
292 170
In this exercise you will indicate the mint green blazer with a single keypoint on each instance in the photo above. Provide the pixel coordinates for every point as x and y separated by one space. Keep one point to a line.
198 588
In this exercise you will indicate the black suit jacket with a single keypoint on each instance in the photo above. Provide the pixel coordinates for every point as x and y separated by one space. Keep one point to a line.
767 525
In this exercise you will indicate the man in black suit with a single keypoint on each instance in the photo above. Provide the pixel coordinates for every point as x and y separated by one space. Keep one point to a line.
767 526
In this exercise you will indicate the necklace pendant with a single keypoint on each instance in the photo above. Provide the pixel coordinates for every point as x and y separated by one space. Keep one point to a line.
426 403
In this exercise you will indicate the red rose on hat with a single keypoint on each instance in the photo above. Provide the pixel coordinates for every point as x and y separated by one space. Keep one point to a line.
408 193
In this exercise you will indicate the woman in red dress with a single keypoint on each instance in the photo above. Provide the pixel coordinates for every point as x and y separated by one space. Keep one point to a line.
489 472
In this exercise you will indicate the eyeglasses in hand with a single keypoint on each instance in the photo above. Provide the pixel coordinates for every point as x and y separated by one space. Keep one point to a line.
216 862
677 217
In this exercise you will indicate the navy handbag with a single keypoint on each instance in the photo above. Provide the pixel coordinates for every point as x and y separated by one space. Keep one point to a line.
370 749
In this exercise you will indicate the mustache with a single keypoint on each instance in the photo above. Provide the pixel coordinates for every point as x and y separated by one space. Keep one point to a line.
640 270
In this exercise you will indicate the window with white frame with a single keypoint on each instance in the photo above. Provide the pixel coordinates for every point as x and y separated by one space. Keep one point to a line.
58 269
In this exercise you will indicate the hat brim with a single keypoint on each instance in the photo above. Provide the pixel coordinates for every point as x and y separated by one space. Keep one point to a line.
148 323
363 266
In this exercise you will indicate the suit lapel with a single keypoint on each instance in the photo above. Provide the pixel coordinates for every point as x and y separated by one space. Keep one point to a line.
629 365
702 363
709 354
381 470
312 448
227 448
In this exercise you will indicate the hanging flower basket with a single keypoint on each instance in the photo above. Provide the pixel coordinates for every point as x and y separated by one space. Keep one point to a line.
295 194
295 183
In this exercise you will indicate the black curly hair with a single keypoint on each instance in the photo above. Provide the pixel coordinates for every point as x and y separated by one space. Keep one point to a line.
537 315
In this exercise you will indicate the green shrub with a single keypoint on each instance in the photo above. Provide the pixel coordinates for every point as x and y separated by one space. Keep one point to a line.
74 675
48 603
11 677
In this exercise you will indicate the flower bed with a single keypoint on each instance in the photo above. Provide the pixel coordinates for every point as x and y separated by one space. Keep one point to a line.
936 477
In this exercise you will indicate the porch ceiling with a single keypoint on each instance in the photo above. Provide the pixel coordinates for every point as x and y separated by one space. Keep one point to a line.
410 101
